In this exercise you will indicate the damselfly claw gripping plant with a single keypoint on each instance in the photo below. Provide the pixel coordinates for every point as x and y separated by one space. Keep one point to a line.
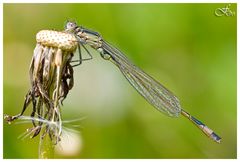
56 77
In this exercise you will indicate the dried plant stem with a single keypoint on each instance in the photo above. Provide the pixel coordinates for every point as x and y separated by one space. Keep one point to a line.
46 147
46 144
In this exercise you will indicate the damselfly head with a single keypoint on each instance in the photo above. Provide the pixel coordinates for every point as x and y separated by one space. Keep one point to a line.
70 26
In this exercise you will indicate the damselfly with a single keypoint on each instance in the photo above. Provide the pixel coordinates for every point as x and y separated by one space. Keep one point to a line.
154 92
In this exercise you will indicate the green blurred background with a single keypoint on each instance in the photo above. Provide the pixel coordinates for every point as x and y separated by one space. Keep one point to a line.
184 46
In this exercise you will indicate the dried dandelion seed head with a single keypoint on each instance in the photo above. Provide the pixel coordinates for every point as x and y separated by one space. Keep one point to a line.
51 77
62 40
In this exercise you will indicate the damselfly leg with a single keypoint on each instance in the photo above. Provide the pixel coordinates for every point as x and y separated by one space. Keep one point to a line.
80 60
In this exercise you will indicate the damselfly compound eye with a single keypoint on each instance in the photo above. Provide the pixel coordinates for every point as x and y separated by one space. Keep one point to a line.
70 26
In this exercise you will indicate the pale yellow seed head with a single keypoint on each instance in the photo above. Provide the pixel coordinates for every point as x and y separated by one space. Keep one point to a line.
62 40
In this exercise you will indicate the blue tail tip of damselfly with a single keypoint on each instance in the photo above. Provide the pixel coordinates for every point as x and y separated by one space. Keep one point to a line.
215 137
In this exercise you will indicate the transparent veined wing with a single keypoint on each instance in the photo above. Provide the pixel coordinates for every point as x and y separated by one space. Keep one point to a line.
155 93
